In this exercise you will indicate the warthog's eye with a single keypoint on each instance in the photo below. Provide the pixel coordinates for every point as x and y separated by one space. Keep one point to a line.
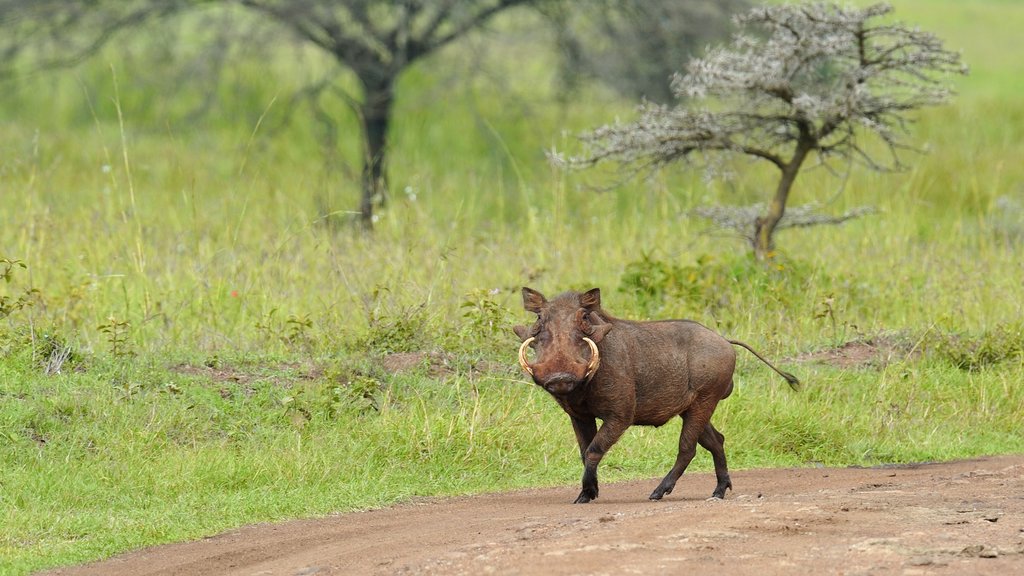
536 328
584 322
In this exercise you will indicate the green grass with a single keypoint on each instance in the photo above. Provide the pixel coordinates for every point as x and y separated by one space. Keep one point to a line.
227 327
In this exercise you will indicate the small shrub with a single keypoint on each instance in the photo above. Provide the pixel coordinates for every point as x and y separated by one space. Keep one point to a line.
829 310
401 331
392 327
292 331
651 281
710 286
364 393
117 333
11 303
1003 343
485 323
338 392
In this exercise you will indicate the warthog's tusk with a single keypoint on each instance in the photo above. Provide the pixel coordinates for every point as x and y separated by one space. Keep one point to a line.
522 356
595 358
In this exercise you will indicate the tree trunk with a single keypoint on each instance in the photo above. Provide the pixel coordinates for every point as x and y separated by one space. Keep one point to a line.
376 120
764 226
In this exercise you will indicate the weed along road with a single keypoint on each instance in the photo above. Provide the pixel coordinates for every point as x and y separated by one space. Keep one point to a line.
963 517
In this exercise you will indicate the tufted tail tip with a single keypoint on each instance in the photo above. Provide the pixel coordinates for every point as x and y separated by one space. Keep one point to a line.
793 382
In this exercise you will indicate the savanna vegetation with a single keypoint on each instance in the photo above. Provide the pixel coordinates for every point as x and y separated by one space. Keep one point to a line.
195 336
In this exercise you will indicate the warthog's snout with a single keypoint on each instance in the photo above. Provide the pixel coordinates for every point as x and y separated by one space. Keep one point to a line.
562 369
559 383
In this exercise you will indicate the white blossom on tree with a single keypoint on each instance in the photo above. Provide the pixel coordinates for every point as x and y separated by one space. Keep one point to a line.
796 80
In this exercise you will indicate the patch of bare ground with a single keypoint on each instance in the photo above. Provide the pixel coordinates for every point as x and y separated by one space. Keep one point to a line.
875 352
437 364
230 378
964 517
245 374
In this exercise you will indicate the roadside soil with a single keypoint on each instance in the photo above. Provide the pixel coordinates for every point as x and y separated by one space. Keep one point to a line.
964 517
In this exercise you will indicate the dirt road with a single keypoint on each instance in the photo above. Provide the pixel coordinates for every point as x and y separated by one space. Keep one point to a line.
951 518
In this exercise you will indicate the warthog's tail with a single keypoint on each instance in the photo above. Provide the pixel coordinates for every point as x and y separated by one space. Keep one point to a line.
790 379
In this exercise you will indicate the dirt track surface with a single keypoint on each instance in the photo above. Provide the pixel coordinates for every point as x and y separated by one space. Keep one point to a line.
951 518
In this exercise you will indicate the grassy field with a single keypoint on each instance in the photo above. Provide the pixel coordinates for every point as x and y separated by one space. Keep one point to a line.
227 343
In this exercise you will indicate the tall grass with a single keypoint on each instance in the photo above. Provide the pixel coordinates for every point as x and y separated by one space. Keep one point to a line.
225 325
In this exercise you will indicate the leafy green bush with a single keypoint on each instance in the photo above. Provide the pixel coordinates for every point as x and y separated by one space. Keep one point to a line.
711 285
1004 342
484 326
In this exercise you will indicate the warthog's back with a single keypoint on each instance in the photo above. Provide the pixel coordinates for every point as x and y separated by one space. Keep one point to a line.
671 363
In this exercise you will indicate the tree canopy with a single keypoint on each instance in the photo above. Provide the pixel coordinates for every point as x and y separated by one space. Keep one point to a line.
795 80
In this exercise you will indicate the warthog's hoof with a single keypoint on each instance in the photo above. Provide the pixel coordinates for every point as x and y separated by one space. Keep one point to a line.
659 493
719 493
662 489
586 495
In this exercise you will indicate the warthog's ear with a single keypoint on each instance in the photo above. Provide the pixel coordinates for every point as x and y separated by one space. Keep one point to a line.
591 299
533 301
522 331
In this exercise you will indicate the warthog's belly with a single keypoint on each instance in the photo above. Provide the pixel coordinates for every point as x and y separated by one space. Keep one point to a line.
653 421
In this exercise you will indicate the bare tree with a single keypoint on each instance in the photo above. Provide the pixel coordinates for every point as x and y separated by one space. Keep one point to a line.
376 39
61 33
796 81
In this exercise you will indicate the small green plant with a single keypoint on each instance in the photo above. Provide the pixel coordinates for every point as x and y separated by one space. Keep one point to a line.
349 386
482 314
295 411
396 332
9 304
293 331
297 328
364 393
7 267
485 322
393 328
827 310
330 398
117 333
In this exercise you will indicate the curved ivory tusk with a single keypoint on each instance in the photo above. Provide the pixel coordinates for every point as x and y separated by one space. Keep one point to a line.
522 356
595 358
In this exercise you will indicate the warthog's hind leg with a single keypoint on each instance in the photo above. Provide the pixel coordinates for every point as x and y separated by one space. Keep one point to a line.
694 421
713 441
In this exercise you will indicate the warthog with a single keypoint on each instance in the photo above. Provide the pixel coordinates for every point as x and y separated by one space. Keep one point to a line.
626 373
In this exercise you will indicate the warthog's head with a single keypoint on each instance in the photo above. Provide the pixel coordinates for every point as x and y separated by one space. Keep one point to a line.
564 339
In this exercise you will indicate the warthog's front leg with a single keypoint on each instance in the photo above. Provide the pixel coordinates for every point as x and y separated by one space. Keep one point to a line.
608 435
585 429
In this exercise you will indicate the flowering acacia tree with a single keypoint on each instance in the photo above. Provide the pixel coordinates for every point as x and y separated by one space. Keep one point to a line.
797 80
